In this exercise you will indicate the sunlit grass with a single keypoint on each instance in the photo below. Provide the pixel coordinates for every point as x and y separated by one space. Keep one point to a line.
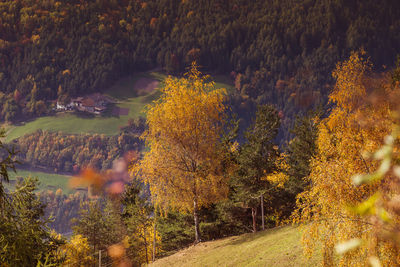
276 247
48 181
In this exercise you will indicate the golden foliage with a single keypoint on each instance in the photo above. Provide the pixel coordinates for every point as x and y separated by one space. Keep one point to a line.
279 178
77 252
185 126
35 39
145 235
66 72
355 127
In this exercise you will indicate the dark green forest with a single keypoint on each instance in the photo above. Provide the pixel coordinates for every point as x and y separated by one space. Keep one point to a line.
279 52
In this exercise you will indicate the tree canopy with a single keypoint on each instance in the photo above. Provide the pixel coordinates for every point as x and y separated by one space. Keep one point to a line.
185 127
356 127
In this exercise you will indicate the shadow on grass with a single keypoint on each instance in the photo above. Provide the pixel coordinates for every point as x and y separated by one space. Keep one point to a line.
123 89
84 114
254 236
110 111
151 97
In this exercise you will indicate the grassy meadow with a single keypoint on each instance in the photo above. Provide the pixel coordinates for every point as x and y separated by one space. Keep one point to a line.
275 247
48 181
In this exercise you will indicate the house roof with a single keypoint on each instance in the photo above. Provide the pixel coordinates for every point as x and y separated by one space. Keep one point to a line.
88 102
78 99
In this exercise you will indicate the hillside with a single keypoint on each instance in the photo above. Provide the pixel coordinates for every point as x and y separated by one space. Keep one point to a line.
278 52
274 247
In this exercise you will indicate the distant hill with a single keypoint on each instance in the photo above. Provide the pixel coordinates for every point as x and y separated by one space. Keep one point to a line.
278 247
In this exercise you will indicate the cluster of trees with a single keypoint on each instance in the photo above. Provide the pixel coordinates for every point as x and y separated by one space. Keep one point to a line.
61 208
194 162
69 153
53 49
25 238
317 177
125 223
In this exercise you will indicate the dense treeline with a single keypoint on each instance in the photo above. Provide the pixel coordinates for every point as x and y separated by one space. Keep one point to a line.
277 51
69 153
62 208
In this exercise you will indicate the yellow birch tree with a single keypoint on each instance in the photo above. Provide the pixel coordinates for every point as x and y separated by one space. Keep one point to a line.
185 128
355 127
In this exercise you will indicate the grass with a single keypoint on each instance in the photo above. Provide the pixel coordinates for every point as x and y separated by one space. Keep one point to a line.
48 181
123 89
275 247
223 81
126 95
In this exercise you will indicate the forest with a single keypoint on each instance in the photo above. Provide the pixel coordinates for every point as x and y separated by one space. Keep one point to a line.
64 153
309 135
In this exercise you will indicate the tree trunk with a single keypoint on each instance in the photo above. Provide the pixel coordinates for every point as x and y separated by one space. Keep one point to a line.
145 245
196 221
154 238
262 212
254 214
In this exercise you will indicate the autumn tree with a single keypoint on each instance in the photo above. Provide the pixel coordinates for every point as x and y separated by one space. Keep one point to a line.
185 127
78 252
356 127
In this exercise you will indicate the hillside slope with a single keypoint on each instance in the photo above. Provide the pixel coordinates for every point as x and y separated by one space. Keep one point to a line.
275 247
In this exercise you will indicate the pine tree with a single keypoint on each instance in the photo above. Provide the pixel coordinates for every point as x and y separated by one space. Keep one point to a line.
25 238
257 159
300 151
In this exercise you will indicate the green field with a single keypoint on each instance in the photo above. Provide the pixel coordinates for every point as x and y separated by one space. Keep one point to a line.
72 124
280 247
223 81
126 95
123 91
48 181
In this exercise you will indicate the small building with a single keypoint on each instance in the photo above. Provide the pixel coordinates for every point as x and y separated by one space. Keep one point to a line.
61 106
77 102
95 103
88 105
99 110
